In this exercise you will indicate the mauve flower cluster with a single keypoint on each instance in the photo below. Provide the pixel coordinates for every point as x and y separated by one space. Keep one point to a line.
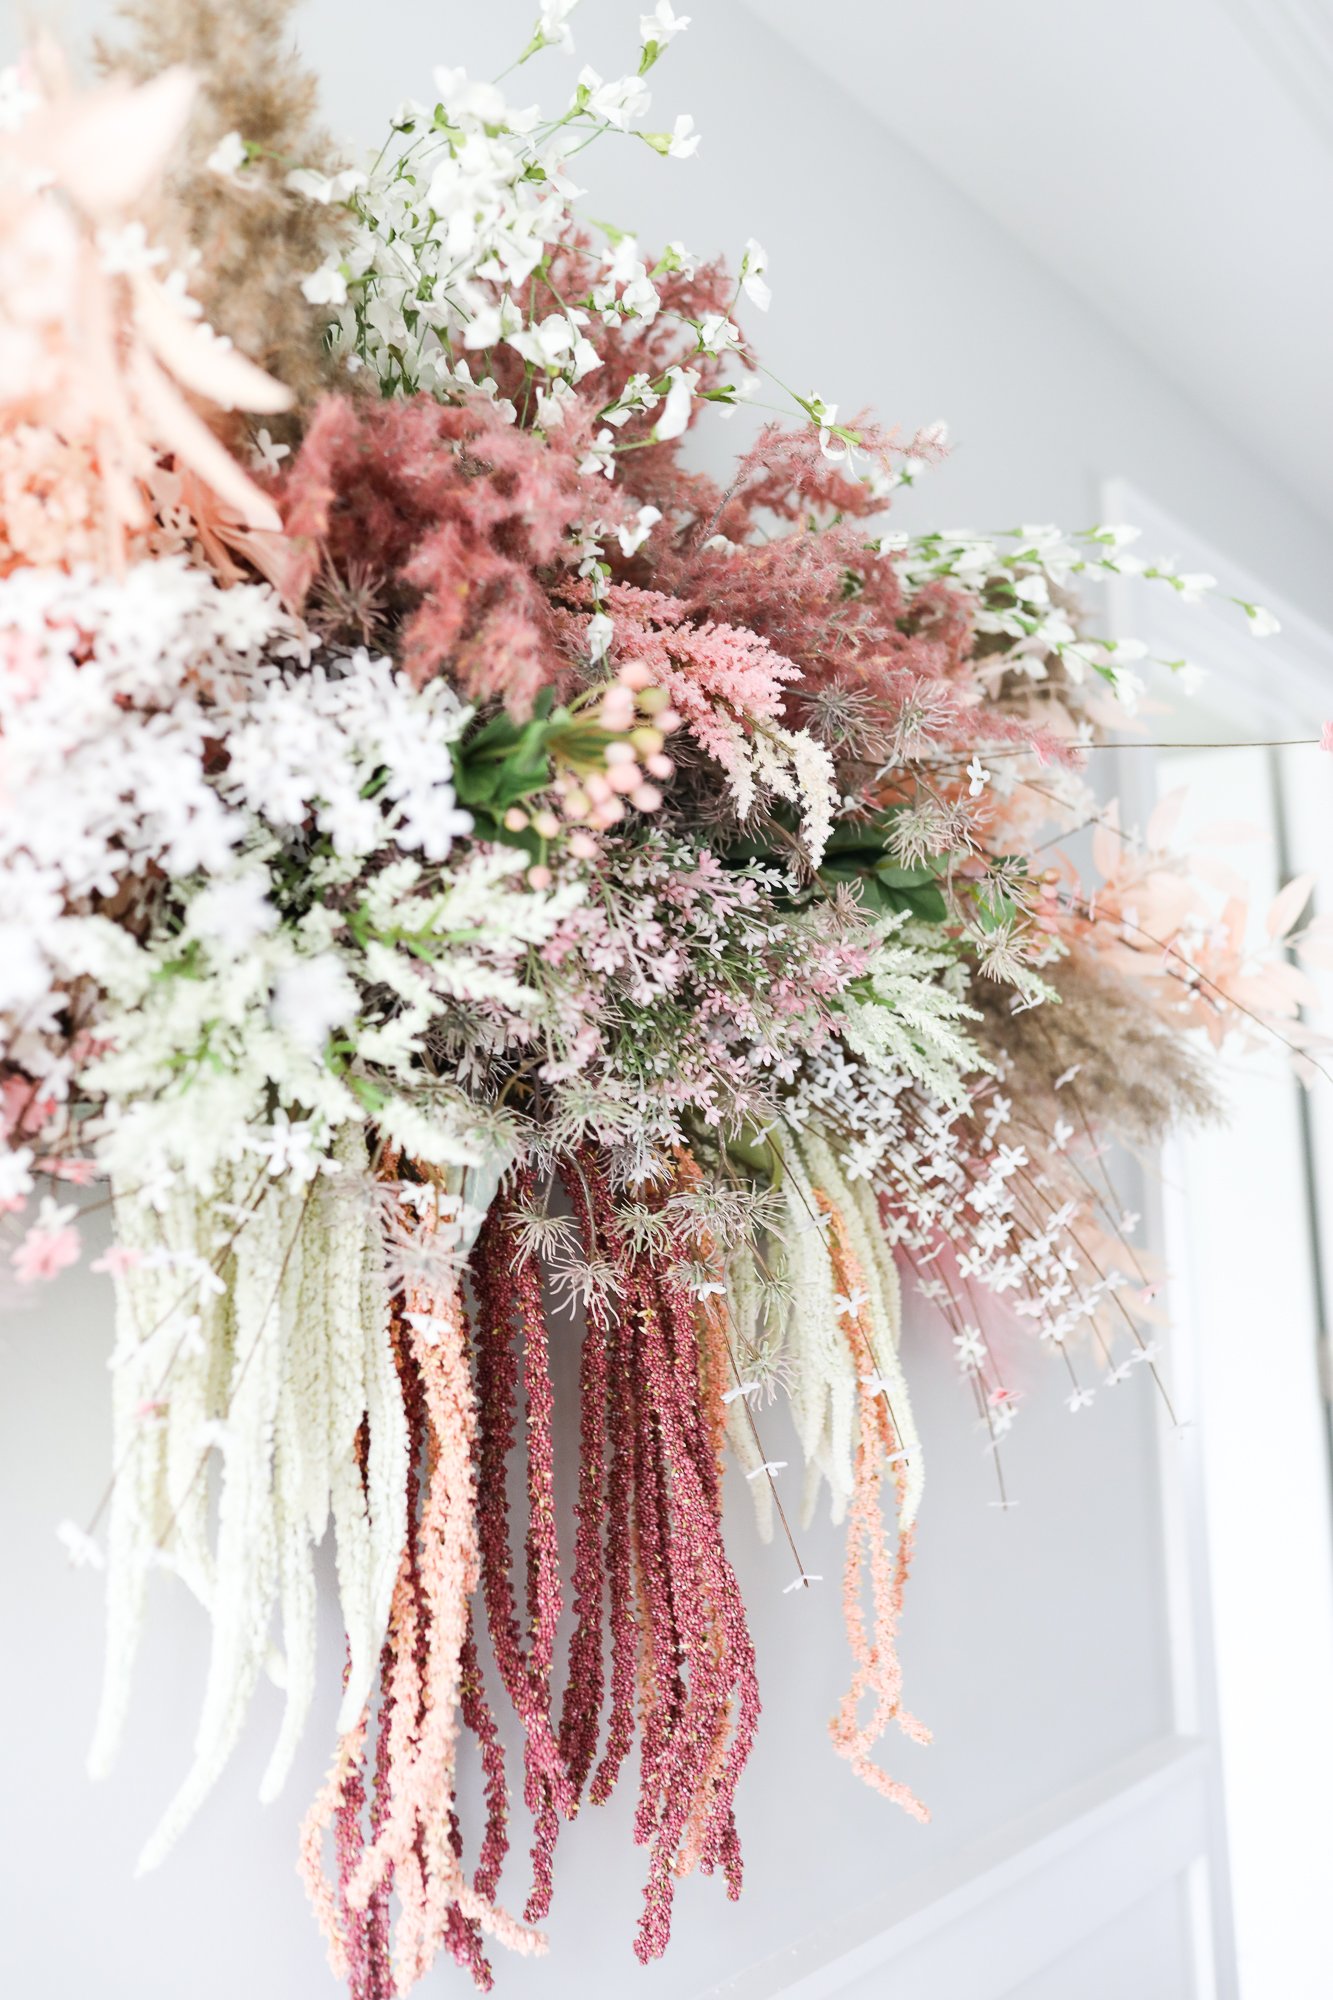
470 868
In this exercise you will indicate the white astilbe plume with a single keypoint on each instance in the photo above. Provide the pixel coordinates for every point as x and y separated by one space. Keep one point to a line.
278 1377
173 1329
793 765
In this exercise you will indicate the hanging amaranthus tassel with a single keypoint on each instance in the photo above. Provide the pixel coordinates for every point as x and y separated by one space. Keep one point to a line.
500 1289
580 1715
881 1451
262 1336
698 1691
430 1679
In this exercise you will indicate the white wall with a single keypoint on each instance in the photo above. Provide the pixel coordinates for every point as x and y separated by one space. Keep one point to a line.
1035 1639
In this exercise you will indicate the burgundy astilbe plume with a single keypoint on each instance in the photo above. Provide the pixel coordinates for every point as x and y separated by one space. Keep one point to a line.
620 1578
710 1641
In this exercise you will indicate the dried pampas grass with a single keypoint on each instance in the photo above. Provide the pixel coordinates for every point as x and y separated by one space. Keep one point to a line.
1144 1078
254 238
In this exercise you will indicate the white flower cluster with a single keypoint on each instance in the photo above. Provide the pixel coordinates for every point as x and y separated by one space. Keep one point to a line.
452 222
903 1143
1022 585
104 734
274 830
356 749
227 1040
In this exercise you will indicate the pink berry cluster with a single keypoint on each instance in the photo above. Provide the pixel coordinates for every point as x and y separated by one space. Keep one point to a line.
605 760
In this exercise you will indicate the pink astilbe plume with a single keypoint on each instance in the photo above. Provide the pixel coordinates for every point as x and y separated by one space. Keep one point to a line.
461 513
419 1829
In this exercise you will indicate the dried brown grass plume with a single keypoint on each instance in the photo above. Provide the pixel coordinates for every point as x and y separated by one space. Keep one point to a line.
255 239
1144 1078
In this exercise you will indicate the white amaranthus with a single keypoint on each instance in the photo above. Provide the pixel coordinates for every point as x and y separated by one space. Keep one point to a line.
262 1337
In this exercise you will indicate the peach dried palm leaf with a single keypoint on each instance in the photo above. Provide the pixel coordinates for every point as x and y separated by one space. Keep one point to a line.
98 355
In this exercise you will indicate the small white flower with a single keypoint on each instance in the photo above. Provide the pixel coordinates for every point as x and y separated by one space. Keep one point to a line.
632 539
465 98
601 631
970 1348
233 913
325 287
553 30
229 154
600 455
82 1550
265 455
978 778
324 188
1263 625
684 141
311 998
617 103
753 266
15 1179
585 358
675 412
547 343
127 250
553 404
662 25
718 334
288 1146
16 101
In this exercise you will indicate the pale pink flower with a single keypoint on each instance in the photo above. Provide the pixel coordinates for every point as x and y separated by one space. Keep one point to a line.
49 1247
117 1260
78 1172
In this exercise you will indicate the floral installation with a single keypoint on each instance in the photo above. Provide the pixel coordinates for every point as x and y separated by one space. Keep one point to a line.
472 882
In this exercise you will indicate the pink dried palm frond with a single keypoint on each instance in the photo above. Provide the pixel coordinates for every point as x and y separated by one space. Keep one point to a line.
101 361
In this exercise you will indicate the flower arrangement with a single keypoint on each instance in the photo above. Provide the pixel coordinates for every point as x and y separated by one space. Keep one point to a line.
472 881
